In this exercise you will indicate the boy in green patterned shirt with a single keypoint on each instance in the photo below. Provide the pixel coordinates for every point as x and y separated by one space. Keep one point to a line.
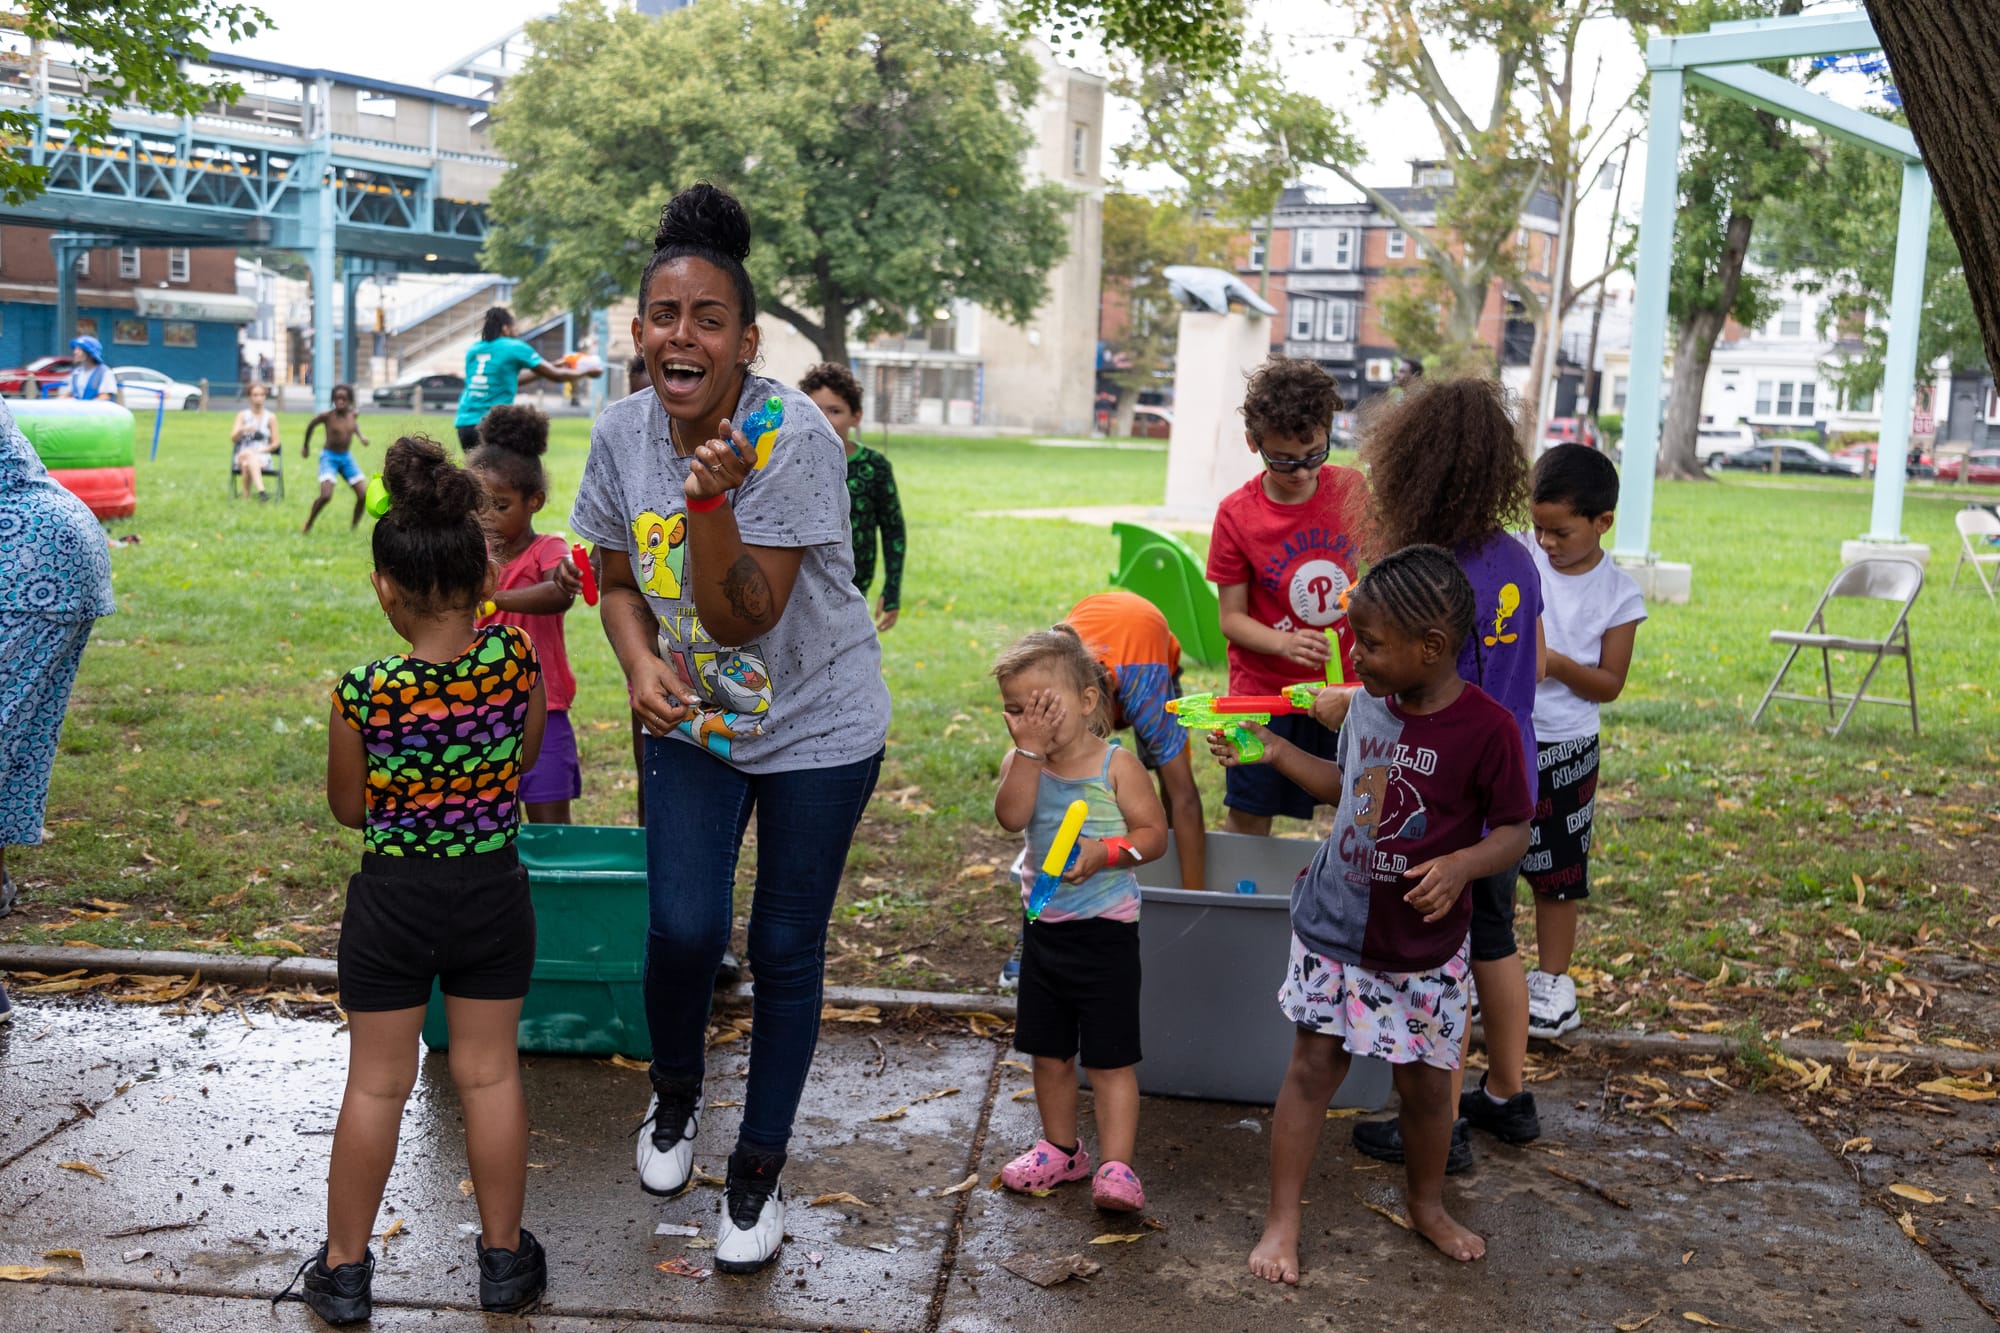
871 488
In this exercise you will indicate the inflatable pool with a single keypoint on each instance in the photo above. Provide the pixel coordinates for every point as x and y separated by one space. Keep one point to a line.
87 447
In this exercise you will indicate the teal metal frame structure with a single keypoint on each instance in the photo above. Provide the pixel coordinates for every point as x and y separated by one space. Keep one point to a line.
1725 59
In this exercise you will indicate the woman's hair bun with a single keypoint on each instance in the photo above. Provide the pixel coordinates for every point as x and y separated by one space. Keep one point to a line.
426 489
705 217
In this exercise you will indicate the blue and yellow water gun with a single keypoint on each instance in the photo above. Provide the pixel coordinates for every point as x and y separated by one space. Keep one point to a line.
761 428
1062 856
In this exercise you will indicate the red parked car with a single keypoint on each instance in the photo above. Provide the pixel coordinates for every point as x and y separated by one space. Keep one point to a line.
1982 467
1919 465
35 379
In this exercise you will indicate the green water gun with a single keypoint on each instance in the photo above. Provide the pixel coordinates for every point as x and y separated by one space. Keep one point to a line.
1230 714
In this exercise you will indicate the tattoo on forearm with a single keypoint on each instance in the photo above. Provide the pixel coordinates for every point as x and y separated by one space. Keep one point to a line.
748 593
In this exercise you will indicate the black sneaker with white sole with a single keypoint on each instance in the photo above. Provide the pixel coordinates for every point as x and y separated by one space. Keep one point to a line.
1383 1140
511 1280
1511 1121
753 1212
339 1295
665 1153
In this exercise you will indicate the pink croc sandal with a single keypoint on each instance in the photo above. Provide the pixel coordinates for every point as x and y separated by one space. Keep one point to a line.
1043 1167
1117 1190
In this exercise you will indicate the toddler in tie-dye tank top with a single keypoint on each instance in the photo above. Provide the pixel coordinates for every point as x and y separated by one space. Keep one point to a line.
1080 955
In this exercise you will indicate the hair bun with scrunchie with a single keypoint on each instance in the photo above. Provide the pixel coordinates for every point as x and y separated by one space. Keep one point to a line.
705 217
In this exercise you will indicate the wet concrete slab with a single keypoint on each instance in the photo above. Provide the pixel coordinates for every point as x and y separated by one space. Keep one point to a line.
225 1141
49 1308
55 1074
1792 1247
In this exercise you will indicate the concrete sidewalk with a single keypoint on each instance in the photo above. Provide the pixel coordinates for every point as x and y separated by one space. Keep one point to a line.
206 1140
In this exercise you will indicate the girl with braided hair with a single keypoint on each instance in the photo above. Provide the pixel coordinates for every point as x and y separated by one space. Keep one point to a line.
1432 794
1445 468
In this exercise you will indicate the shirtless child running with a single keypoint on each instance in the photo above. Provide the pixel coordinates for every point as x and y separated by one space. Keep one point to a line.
336 460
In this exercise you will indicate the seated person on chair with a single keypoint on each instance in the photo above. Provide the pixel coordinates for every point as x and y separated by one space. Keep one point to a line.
89 377
255 435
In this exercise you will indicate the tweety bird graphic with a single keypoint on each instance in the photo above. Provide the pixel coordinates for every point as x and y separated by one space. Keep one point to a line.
1509 603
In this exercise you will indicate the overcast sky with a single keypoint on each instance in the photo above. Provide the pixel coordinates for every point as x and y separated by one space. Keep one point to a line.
410 42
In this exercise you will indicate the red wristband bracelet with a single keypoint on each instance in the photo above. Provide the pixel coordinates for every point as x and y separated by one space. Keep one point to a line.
1116 845
703 506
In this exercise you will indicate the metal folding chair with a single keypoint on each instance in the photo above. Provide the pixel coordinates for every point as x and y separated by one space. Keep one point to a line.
1882 579
1977 528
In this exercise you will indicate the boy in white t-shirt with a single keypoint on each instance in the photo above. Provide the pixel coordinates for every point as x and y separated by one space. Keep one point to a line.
1591 611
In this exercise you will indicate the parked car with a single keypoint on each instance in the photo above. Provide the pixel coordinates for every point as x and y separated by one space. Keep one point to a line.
1565 430
1793 456
440 391
1712 440
1150 421
1923 466
35 379
145 388
1982 466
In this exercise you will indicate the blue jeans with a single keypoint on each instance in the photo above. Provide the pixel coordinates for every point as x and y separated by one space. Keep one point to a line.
700 807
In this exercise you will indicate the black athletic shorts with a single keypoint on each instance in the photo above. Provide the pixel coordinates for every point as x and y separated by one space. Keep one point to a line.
1557 865
463 921
1259 789
468 437
1080 991
1493 916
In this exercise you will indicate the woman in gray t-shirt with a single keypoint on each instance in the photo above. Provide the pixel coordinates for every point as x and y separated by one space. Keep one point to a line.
752 660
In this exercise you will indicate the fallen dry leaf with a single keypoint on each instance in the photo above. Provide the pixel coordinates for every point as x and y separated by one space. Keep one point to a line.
896 1114
1697 1317
1048 1270
1117 1238
627 1062
1016 1064
933 1096
1957 1045
1389 1213
977 870
465 1188
963 1185
395 1228
1860 1143
1023 1095
1342 1112
85 1167
842 1197
1909 1226
23 1273
861 1013
1634 1325
1915 1194
1965 1089
680 1267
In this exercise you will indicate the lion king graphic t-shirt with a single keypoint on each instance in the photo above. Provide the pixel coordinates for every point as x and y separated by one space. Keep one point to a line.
1412 787
1297 561
807 694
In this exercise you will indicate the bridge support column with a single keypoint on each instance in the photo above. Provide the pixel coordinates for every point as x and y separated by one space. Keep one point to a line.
351 278
67 246
325 261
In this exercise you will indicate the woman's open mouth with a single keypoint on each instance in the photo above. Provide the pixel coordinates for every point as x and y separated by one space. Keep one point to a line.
681 378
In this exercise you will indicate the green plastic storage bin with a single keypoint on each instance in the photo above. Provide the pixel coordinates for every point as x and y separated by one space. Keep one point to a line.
589 888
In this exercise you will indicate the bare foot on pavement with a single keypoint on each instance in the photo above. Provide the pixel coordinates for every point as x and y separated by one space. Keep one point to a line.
1276 1258
1438 1227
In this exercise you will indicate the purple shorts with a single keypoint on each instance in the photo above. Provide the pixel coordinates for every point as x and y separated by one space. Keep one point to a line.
556 776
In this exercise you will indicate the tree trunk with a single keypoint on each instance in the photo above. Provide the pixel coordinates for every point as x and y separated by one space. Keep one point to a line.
1692 348
1945 55
1531 393
1121 415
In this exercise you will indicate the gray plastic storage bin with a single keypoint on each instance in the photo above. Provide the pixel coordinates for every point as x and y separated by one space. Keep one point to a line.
1209 1018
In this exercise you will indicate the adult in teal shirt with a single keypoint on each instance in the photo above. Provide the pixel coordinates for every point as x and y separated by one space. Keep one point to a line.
496 366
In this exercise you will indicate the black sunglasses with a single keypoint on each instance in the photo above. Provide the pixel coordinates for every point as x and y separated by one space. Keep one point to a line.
1305 464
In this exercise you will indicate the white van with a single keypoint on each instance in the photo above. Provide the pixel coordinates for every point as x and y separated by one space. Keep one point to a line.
1712 440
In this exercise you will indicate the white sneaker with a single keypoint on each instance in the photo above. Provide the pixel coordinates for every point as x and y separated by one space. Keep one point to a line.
1551 1005
741 1248
666 1158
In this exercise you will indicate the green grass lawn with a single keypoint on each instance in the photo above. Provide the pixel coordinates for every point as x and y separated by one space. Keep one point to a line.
190 784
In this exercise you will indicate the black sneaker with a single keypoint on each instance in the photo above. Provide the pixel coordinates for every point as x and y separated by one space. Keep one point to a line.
729 971
1383 1140
1511 1121
337 1295
8 893
753 1212
511 1280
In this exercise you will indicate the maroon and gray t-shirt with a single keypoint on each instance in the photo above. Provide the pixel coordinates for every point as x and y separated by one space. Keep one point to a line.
1413 787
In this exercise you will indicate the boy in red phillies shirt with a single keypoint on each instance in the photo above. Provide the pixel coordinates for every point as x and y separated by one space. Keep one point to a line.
1281 556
